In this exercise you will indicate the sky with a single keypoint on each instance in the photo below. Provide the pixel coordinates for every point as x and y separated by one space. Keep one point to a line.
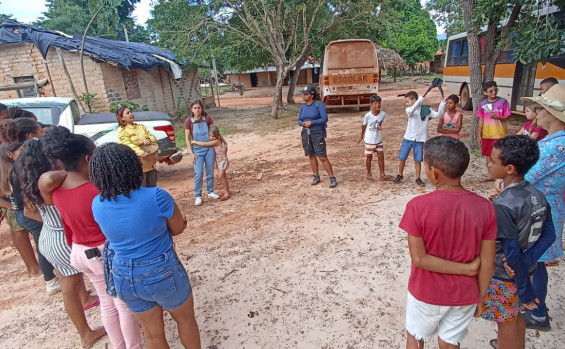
27 11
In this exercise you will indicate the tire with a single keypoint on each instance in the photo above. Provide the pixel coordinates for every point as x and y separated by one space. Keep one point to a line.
465 100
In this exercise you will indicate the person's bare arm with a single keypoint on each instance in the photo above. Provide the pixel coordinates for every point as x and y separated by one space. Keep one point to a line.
423 260
177 222
535 136
500 118
5 204
363 128
440 128
207 144
51 180
486 270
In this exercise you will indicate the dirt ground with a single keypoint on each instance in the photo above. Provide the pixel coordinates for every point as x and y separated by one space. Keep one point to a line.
283 264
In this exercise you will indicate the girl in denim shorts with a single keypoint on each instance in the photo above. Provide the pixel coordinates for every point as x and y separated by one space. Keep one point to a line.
139 223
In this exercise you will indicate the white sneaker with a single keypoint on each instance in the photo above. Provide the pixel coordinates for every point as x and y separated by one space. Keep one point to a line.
198 201
52 286
213 195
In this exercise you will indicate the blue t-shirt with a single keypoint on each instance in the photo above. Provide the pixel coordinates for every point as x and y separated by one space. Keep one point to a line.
136 226
315 112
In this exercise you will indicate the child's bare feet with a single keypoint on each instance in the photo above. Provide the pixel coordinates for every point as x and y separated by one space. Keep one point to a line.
92 337
369 178
225 197
386 178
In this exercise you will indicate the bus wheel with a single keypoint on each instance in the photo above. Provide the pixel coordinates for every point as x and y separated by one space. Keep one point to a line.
465 100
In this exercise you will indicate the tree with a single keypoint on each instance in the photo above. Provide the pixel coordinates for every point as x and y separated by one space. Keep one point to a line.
417 41
72 17
533 38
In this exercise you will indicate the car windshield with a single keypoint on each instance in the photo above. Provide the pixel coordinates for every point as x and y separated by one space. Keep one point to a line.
44 115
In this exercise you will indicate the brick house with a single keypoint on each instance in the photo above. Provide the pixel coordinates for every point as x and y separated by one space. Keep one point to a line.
267 76
112 83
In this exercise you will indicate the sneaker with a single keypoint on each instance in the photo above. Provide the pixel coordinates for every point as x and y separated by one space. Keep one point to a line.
397 179
213 195
52 286
419 182
198 201
534 324
316 180
333 182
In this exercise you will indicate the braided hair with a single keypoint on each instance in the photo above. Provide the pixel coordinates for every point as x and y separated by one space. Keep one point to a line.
69 148
115 170
31 164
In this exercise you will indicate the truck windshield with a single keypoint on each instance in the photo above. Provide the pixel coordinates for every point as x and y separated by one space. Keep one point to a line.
44 115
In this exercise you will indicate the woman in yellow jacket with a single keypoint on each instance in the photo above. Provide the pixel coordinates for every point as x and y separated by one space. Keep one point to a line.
134 135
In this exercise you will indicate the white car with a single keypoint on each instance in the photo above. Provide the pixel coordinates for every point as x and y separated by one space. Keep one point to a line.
101 128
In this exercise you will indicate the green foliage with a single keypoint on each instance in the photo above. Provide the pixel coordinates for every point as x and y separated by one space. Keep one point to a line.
447 13
181 108
417 41
130 105
72 17
88 99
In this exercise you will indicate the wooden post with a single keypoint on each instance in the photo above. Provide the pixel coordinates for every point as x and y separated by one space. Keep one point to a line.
50 79
68 76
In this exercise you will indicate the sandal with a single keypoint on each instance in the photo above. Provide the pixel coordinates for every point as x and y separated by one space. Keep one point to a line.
494 343
92 305
552 263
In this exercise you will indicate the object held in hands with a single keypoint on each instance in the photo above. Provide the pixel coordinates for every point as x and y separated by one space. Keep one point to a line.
437 82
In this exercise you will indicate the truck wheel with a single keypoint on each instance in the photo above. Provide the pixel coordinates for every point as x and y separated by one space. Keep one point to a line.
465 100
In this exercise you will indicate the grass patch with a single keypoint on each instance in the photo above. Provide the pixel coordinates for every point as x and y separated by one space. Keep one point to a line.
476 152
206 91
179 133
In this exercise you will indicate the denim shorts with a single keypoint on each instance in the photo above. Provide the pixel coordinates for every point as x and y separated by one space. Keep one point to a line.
405 150
147 282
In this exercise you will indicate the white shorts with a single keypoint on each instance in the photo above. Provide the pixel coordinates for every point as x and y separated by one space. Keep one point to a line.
371 148
424 320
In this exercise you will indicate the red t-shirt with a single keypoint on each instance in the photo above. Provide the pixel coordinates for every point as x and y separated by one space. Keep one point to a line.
75 207
453 224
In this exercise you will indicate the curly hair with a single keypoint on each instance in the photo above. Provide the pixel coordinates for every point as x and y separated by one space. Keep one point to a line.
115 170
69 148
17 130
520 151
31 164
17 113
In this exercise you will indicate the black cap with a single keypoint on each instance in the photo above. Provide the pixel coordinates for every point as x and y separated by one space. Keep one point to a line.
310 89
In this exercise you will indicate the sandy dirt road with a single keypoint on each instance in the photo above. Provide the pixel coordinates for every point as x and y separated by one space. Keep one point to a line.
283 264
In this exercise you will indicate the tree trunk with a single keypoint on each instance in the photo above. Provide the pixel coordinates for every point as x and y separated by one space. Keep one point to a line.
294 80
475 68
70 81
277 99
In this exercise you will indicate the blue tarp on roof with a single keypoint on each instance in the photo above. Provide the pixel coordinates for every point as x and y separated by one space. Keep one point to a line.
129 55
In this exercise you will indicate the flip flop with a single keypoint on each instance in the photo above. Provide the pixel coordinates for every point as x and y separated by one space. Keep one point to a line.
92 305
494 343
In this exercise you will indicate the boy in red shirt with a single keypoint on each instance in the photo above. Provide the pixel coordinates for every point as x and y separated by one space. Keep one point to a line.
451 231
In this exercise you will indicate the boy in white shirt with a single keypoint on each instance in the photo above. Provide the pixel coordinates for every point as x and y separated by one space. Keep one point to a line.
416 133
371 134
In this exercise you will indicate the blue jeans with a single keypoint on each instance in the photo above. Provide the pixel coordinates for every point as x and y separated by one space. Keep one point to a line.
34 227
407 146
144 283
205 156
539 284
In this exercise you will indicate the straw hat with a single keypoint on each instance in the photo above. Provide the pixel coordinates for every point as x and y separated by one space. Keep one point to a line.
553 101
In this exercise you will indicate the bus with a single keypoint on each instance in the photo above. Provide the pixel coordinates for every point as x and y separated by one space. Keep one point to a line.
514 79
350 74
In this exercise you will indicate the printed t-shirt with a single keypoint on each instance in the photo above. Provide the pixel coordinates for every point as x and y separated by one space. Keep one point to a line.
373 132
136 226
521 212
452 224
188 122
537 129
451 122
493 129
75 207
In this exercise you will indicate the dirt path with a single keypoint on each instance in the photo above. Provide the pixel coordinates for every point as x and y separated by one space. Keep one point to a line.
283 264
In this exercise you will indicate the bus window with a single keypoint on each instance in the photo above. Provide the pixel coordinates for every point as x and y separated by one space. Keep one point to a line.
464 53
455 53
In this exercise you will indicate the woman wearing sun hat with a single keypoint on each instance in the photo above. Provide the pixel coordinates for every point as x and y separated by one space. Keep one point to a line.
548 176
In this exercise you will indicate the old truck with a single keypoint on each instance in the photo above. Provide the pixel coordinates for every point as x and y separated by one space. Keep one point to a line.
350 73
